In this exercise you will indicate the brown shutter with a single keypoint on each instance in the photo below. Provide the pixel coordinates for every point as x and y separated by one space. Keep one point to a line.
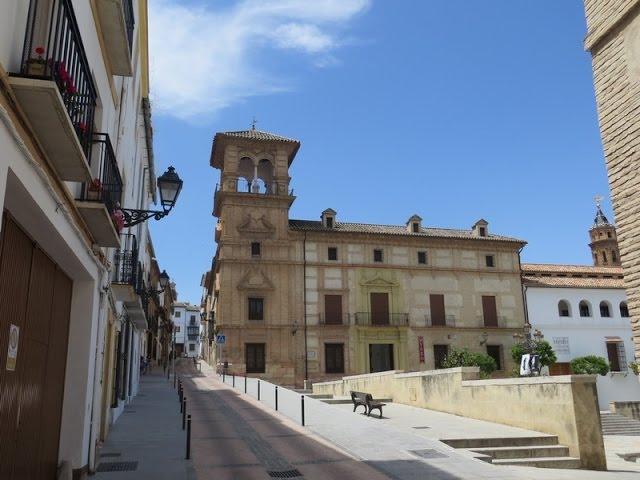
612 353
333 309
436 303
379 308
489 311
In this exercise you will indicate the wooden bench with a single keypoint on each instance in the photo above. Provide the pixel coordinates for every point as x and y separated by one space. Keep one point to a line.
367 401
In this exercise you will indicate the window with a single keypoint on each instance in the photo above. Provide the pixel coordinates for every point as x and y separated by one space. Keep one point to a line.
604 257
377 255
193 320
177 328
489 311
334 357
333 309
483 231
256 309
422 258
177 314
415 226
563 308
192 347
605 311
329 222
332 253
616 355
436 305
495 352
585 309
614 257
608 234
255 249
440 352
254 357
489 261
624 310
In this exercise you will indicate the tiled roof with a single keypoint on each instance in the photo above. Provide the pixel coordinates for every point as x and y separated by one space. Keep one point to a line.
572 282
258 135
570 269
345 227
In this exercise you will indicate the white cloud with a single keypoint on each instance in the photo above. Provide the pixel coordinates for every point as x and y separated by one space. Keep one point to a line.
203 60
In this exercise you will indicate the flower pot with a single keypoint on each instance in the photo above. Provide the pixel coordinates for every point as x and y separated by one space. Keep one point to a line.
36 67
93 195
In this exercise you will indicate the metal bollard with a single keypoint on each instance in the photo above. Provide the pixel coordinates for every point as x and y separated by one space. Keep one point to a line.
223 377
181 402
184 411
188 437
276 398
233 380
245 384
302 408
258 390
174 379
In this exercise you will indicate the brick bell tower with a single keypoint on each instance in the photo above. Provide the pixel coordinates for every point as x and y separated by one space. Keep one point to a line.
604 242
255 272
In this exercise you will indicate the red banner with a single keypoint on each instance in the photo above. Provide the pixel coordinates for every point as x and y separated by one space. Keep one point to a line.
421 348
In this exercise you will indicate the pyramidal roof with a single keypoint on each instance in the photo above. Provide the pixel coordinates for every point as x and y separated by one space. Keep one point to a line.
221 138
253 134
601 220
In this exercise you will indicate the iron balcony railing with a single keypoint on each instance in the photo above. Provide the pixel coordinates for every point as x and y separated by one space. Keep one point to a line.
382 319
53 50
125 262
447 321
129 21
343 319
106 186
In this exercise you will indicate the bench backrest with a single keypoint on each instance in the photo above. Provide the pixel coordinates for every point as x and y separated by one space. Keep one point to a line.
361 397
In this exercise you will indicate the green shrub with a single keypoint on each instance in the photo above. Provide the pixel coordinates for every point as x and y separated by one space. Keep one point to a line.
465 358
541 348
590 365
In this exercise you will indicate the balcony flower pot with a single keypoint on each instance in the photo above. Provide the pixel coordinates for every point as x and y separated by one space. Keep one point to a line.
118 219
94 192
36 66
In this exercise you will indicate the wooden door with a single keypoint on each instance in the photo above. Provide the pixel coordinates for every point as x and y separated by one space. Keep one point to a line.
35 295
380 308
333 309
436 303
380 357
489 311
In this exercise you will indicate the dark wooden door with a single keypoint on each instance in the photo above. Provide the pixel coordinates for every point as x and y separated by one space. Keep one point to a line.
255 356
436 303
380 308
35 295
489 311
614 359
380 357
333 309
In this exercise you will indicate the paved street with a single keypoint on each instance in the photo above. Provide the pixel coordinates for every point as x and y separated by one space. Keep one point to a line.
236 437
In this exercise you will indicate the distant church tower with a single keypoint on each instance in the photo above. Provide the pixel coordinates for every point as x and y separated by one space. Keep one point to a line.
604 242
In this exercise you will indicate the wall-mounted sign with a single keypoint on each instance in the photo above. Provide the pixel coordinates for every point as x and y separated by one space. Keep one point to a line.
221 339
12 352
561 345
421 348
311 355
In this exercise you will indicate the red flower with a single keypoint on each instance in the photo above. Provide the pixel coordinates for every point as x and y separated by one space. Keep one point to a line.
96 185
118 219
83 128
39 50
71 88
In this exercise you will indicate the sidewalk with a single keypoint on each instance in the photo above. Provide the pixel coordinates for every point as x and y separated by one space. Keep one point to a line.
149 434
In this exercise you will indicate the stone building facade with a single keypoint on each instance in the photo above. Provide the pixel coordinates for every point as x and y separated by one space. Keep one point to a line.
613 38
317 299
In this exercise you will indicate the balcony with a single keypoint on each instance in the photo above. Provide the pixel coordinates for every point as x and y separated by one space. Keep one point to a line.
116 19
103 194
55 89
126 276
334 319
382 319
448 321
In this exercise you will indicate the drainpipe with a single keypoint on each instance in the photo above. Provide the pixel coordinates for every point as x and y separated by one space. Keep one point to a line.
304 301
523 290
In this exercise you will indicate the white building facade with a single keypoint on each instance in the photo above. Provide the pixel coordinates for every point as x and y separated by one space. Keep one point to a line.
188 329
582 310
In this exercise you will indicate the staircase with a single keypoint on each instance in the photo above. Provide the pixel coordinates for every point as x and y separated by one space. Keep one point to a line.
541 451
614 424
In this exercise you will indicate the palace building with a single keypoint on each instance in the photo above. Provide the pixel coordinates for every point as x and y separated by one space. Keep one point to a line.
316 299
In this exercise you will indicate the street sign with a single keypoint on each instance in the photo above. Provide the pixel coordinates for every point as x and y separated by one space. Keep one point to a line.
220 339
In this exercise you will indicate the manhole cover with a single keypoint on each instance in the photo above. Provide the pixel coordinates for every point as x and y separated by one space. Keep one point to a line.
112 454
420 428
117 466
428 453
285 474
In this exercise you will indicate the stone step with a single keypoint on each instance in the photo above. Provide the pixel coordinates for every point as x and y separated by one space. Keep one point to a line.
623 433
542 462
346 400
529 451
320 396
472 443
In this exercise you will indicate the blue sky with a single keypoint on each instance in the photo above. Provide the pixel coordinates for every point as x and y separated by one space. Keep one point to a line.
451 109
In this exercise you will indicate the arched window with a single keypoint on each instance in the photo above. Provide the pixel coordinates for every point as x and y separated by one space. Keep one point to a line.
624 310
605 309
564 310
585 309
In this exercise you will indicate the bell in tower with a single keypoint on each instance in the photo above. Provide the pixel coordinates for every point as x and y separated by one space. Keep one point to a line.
604 242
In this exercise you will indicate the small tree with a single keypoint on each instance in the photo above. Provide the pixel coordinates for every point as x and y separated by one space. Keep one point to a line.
589 365
465 358
541 348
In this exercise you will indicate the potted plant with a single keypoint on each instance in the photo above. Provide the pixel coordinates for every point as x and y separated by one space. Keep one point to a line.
95 189
635 367
36 65
118 219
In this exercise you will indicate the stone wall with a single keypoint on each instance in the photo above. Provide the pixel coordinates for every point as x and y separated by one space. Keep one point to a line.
628 409
566 406
614 42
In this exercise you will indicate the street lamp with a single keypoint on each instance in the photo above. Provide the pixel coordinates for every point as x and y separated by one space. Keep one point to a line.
169 185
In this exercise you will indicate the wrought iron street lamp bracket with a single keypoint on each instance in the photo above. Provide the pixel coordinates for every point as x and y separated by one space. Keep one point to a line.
134 217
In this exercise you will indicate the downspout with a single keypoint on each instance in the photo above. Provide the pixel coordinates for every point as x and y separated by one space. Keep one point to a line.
523 289
304 301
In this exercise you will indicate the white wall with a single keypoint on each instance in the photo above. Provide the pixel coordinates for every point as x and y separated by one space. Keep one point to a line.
586 335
